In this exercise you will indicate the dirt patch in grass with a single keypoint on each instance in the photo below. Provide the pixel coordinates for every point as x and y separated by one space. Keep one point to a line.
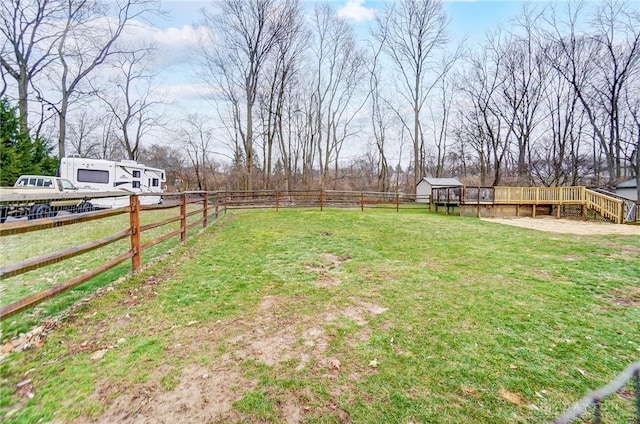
624 252
629 297
207 392
327 268
569 226
202 395
273 338
511 397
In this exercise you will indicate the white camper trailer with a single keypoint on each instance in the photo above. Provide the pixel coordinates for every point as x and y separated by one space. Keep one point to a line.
108 176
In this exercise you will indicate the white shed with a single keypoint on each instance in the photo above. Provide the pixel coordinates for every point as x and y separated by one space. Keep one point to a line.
628 189
423 188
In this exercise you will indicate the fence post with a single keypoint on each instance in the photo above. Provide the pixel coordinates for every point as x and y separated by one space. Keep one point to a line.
277 200
397 202
321 199
205 210
361 202
215 203
134 222
183 218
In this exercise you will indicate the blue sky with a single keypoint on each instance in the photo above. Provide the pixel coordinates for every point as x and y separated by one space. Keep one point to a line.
468 18
471 17
176 34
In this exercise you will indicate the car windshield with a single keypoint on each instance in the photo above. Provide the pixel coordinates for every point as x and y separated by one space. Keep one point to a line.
67 185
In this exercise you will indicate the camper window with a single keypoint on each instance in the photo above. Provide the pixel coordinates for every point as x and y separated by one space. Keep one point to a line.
136 184
136 174
156 182
93 176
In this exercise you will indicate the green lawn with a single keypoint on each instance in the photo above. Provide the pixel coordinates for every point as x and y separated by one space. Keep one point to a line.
24 246
346 316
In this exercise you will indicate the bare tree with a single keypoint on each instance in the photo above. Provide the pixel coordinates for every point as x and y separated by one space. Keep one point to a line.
196 135
338 69
557 160
524 74
82 133
285 64
381 116
246 33
131 99
632 140
88 38
440 114
484 126
30 35
413 32
599 65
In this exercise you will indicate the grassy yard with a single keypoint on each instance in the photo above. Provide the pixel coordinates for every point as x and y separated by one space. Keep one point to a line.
345 316
20 247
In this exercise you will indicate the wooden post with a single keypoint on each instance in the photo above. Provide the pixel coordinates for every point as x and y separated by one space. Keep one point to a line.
277 200
397 202
205 210
361 202
560 201
321 199
183 218
216 203
521 194
478 201
134 222
621 214
435 199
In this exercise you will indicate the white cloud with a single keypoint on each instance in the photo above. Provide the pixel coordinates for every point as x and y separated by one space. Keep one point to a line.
175 45
354 9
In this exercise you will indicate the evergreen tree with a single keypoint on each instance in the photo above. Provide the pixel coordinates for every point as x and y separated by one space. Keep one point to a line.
19 154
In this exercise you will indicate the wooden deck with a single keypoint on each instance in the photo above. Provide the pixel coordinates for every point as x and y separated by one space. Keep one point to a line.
533 199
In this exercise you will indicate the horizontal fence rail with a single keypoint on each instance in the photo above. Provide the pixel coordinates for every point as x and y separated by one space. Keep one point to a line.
193 209
595 398
207 205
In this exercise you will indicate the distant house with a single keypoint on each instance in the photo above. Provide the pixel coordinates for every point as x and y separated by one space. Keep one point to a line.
628 189
423 188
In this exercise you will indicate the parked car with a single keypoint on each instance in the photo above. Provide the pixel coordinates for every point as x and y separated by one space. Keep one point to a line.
30 197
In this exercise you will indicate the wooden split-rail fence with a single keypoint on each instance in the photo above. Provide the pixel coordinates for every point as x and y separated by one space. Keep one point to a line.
197 208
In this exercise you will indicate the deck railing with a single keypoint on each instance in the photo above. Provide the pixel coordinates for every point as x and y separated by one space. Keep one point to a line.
607 206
